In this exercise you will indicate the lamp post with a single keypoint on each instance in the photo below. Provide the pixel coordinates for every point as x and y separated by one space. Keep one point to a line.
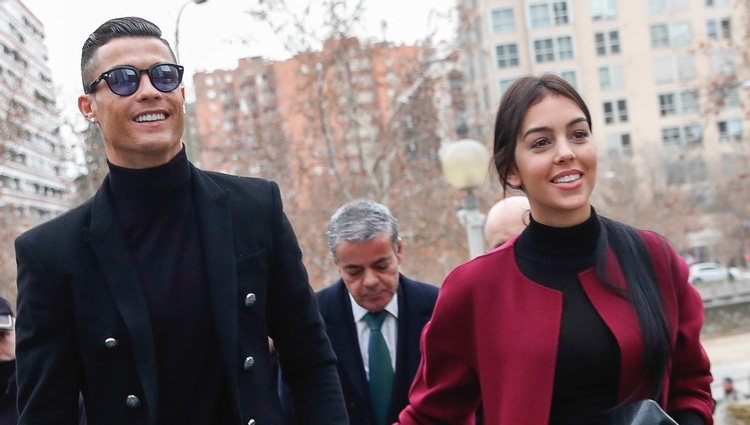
186 129
465 164
177 27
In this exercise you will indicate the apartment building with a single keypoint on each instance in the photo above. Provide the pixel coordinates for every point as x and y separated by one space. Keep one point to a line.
290 112
351 119
32 167
668 87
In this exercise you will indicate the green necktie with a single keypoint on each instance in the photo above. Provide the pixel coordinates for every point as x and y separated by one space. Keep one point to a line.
381 371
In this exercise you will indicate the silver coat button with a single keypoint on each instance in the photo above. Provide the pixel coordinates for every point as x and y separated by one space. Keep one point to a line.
250 299
111 342
133 401
249 363
251 422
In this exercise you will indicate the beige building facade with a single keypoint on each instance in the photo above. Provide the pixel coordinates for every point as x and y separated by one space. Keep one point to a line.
32 165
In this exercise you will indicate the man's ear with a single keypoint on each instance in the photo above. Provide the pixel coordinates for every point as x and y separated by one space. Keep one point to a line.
86 107
399 249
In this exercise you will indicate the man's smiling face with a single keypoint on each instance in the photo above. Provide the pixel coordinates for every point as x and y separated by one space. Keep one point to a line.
144 129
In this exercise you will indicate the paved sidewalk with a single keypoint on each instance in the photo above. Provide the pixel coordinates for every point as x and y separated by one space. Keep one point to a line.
730 356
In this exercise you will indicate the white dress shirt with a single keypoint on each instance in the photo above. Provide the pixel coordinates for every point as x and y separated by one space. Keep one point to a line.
389 330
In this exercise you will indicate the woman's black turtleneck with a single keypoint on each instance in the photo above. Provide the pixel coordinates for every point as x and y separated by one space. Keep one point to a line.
157 214
588 358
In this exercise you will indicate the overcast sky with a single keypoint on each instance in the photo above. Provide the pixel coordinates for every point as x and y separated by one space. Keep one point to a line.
212 35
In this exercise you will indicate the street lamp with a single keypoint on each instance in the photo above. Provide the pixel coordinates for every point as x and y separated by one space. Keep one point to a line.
186 127
465 165
177 27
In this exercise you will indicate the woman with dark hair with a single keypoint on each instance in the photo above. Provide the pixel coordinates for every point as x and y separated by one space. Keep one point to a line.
575 316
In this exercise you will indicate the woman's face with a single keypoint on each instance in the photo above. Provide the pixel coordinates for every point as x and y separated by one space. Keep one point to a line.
555 160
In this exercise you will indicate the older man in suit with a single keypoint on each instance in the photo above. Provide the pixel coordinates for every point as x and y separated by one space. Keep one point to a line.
156 298
374 315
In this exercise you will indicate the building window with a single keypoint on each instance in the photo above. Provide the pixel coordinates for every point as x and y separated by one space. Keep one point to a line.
544 50
504 84
603 10
680 34
676 34
666 105
571 77
717 29
693 134
539 14
685 102
669 69
670 136
611 77
560 11
615 111
689 102
730 130
501 21
507 55
655 7
607 42
622 110
544 14
659 36
690 134
618 144
552 49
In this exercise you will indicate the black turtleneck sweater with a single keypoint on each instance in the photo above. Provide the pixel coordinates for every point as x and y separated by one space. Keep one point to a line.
588 358
157 214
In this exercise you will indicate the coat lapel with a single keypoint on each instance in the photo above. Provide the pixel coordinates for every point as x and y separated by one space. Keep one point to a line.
411 318
619 315
111 252
343 335
215 220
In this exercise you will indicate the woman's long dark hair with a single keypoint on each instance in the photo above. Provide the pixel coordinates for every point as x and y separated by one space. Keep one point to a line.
634 259
628 247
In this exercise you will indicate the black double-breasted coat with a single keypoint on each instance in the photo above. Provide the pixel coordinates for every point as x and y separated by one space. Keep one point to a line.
83 323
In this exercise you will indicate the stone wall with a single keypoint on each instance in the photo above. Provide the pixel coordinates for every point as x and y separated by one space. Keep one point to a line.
726 318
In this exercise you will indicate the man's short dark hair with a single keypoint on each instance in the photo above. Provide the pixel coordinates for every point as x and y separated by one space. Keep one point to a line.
130 26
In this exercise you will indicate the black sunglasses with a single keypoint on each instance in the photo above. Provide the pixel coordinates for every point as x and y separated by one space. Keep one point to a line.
124 80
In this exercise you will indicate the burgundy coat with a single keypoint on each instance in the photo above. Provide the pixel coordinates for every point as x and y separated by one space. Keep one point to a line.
494 336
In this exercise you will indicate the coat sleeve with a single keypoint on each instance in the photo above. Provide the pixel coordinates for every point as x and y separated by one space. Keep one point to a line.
690 373
445 389
295 325
48 368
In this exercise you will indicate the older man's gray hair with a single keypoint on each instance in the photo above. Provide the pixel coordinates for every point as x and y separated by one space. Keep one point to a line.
360 221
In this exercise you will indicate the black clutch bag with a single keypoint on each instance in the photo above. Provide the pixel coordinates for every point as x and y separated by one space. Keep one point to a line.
644 412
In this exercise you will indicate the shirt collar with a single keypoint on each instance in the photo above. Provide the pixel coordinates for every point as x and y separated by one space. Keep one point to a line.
359 312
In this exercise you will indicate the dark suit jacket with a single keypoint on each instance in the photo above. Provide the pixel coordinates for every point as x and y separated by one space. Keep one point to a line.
78 288
415 303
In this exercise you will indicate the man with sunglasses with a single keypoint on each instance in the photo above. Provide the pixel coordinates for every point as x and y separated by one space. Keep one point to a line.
156 298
